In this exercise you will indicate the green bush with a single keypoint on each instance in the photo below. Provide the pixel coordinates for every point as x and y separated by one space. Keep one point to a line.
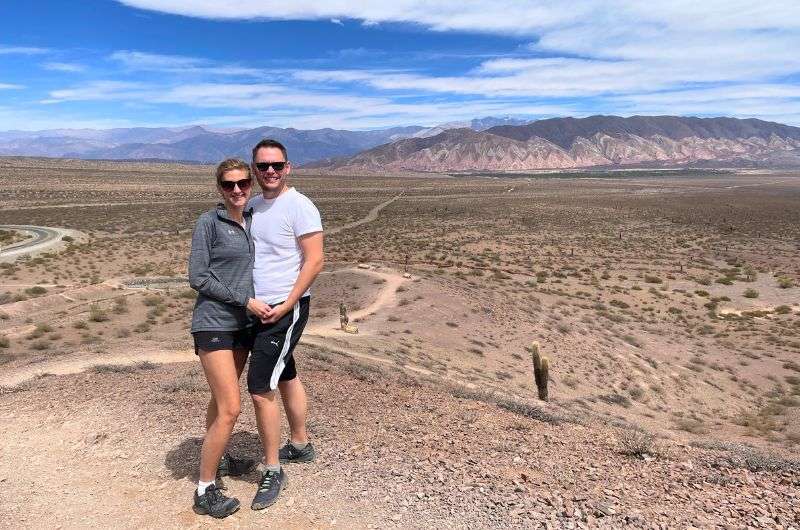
750 293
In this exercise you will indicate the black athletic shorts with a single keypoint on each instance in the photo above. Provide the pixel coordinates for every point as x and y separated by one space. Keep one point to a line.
271 359
223 340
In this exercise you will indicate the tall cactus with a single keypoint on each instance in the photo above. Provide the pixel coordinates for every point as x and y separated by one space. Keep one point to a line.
541 370
343 318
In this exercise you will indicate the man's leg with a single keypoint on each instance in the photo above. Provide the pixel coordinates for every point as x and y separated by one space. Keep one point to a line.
295 404
268 420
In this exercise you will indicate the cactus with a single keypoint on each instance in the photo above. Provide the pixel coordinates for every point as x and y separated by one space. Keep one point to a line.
541 370
343 318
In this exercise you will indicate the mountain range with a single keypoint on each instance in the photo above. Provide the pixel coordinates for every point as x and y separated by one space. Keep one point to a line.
484 144
200 144
596 141
193 143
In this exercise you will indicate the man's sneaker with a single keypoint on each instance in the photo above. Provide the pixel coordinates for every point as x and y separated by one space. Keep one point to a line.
230 466
270 486
289 454
214 503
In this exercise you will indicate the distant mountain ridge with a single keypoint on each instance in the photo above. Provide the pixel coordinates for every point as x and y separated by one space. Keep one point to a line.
200 144
193 143
490 143
596 141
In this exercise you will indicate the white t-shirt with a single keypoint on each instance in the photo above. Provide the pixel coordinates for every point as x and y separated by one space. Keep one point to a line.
277 223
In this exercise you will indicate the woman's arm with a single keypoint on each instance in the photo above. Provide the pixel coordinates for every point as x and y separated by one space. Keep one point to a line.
201 278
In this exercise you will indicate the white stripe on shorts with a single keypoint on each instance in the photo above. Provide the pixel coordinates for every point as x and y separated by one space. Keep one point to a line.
287 341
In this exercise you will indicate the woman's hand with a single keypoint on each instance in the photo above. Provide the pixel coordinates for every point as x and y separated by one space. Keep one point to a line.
276 313
258 308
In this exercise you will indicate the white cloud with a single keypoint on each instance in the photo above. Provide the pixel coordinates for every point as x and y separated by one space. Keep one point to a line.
22 50
99 91
769 102
64 67
299 107
143 61
9 86
518 17
592 48
136 60
726 57
503 16
14 118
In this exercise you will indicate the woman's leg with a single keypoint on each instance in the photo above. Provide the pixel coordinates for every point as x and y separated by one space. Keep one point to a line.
220 368
240 358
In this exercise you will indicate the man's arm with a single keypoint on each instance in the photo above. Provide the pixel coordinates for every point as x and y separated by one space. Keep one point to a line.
313 259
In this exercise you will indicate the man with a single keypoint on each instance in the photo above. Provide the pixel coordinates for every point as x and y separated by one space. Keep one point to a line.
287 233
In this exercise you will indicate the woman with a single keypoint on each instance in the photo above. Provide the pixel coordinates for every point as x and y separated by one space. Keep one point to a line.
220 270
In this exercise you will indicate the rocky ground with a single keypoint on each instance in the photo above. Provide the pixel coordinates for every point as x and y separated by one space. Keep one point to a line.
118 447
665 303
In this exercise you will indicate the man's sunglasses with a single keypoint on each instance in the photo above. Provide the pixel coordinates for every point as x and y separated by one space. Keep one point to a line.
264 166
229 185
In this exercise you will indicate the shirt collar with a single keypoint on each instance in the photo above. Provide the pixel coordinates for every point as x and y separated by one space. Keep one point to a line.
222 212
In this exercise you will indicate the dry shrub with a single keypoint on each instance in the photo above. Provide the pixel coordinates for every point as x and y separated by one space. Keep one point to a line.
637 443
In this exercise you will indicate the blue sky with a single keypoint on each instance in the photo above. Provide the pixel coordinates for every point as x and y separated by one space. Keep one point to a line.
246 63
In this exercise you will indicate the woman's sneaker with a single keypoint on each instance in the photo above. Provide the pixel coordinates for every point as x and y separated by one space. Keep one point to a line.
290 454
269 487
230 466
214 503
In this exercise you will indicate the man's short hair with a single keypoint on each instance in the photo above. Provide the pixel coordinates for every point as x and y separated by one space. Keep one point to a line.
269 142
229 165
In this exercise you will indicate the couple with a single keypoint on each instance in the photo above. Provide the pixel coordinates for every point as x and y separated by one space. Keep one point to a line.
252 263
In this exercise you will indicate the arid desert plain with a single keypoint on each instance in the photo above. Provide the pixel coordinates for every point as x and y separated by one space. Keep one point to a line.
668 304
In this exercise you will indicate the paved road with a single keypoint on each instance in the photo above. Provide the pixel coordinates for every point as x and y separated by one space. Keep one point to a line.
44 238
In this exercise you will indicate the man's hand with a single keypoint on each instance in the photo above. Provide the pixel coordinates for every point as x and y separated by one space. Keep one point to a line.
258 308
275 313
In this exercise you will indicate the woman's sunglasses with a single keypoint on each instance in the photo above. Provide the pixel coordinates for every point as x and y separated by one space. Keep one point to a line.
264 166
229 185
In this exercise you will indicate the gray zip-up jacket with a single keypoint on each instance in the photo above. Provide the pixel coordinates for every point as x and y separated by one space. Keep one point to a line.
221 271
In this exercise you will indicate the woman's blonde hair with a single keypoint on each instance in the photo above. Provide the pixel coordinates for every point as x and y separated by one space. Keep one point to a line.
229 165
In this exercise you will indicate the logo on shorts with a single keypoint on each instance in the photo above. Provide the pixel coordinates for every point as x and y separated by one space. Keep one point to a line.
215 339
275 343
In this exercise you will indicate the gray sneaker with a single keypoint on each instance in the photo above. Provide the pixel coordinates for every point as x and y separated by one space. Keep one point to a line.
289 454
269 487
